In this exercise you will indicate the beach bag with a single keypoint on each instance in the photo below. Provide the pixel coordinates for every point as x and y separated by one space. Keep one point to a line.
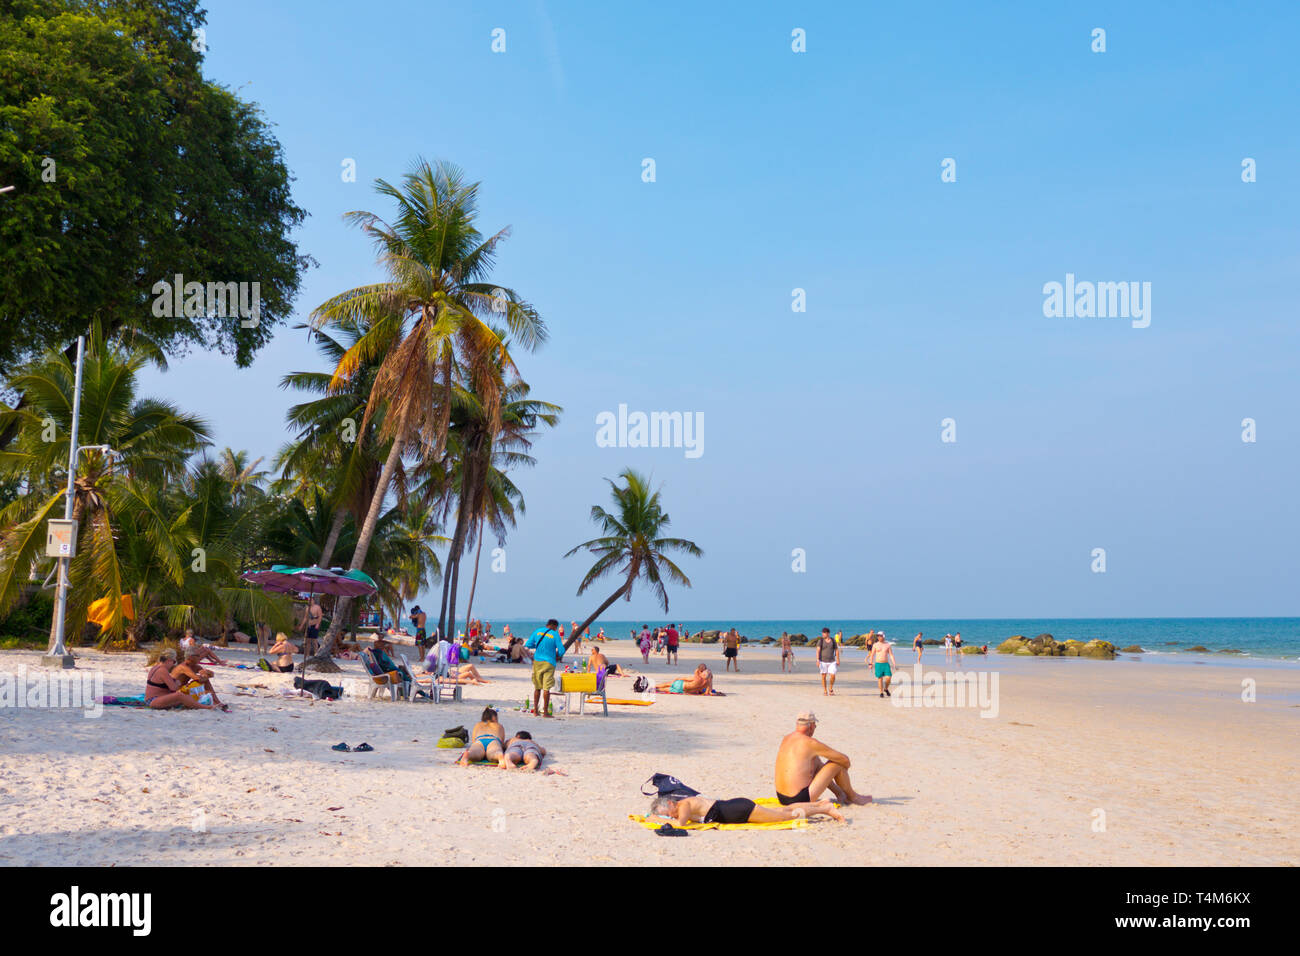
640 685
321 690
666 785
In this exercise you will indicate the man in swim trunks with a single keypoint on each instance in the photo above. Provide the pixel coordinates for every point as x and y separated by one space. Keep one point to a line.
806 767
548 651
522 751
828 660
702 809
882 657
700 683
731 649
421 620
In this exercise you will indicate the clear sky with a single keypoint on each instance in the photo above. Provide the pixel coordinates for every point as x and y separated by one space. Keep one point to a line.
821 171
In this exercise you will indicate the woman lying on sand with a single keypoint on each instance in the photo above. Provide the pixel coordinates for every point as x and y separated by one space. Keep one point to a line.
162 691
704 809
487 743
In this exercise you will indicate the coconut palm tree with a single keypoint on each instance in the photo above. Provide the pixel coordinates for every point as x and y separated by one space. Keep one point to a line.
484 441
436 292
631 547
148 441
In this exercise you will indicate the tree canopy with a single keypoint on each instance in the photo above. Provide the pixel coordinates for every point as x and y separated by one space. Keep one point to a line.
129 168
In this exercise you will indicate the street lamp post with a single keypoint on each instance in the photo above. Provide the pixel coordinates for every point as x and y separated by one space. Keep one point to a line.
58 655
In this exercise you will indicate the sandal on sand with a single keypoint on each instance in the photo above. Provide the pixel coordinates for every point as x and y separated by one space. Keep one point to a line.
225 708
342 747
362 748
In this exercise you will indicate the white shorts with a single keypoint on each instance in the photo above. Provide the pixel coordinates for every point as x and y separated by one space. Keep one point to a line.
828 667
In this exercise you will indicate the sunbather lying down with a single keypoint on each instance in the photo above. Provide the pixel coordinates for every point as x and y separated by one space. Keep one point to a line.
487 737
699 683
522 751
702 809
466 674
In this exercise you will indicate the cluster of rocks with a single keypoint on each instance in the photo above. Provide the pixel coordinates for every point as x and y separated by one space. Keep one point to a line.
1044 645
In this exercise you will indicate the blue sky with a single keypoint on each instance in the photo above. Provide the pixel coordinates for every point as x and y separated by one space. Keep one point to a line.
777 170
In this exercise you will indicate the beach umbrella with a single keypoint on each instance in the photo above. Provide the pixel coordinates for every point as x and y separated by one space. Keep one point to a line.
284 579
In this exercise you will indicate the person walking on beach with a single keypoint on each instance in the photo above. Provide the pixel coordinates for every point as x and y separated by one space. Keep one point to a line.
548 651
828 661
577 638
420 620
882 657
645 644
673 640
787 652
947 646
313 619
731 649
917 646
806 768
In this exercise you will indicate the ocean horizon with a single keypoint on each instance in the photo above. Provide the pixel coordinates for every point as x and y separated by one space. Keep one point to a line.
1274 638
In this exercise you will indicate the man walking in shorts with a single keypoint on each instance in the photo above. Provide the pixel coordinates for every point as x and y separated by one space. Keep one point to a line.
882 656
828 661
673 640
548 651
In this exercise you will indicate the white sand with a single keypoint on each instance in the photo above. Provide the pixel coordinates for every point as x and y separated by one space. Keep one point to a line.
1184 770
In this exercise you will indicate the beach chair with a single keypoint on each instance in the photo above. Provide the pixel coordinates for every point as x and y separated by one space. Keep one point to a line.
381 680
434 689
584 686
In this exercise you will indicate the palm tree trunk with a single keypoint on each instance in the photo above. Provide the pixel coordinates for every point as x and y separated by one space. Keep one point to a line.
626 588
323 659
478 552
336 528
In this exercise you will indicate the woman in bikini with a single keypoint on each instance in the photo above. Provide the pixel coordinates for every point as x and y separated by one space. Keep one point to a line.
522 751
286 650
162 691
488 742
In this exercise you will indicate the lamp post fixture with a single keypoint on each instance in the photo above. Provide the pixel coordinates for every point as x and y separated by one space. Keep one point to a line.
64 545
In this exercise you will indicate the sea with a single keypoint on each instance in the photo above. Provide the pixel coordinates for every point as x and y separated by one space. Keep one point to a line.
1267 638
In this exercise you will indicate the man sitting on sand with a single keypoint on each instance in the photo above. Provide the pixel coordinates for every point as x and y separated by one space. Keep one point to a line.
162 691
522 751
702 809
806 767
700 683
597 660
194 676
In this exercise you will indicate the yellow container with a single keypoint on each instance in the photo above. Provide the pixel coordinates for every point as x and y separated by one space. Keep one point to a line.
577 683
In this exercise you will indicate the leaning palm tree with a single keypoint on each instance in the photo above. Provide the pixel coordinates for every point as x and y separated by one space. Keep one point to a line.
631 546
437 263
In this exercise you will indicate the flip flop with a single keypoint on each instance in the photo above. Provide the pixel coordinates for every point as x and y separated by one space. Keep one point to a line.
362 748
669 830
344 748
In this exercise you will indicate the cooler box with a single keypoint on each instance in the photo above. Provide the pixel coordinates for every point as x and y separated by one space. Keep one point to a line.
577 683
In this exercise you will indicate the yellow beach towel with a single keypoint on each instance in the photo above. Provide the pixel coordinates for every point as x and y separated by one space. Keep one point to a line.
770 801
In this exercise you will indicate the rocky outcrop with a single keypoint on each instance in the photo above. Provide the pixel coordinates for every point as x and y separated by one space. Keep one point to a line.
705 637
1131 649
1199 649
798 640
1044 645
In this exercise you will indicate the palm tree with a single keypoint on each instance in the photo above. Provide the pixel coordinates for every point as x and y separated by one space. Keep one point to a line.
631 546
437 261
485 441
149 441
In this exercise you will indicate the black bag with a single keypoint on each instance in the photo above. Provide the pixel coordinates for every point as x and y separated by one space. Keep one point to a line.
640 685
321 690
666 785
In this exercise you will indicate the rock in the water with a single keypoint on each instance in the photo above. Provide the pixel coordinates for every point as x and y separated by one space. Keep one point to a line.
1012 644
768 640
1131 649
798 640
1199 649
1101 650
1023 651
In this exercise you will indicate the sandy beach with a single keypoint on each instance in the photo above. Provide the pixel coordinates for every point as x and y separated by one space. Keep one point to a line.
1165 753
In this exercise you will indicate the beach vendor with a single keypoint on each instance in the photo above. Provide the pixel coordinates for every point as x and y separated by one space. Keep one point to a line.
548 651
